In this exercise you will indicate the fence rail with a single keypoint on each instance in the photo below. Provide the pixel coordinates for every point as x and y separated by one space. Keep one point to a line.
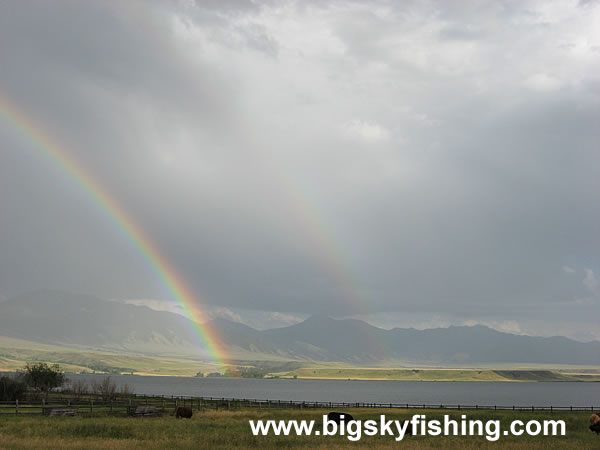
92 404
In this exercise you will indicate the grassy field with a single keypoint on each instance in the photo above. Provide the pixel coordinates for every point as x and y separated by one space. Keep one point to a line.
230 429
420 374
14 353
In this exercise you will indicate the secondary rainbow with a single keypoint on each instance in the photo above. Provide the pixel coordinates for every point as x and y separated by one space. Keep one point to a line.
172 282
325 245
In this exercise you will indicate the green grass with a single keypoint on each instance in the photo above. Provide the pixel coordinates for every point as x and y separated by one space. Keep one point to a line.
14 353
230 429
344 373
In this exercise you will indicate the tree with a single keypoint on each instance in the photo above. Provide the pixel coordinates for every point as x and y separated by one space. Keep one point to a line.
79 388
106 388
125 390
11 388
42 377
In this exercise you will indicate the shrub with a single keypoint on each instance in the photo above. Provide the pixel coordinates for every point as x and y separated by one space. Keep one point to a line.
105 388
125 390
79 388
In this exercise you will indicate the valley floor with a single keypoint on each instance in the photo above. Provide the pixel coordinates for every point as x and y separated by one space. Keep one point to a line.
427 374
14 353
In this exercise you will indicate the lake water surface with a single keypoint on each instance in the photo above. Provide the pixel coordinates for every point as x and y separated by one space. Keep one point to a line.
413 392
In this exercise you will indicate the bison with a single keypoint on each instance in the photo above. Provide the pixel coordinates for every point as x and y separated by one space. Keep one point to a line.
409 430
337 417
184 412
595 423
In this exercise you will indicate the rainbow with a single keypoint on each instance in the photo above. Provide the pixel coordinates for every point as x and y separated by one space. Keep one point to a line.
325 246
133 232
327 249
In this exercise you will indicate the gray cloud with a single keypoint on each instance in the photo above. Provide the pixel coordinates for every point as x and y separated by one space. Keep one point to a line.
339 157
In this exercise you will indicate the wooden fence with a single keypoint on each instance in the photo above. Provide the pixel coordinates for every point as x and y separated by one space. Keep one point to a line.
96 405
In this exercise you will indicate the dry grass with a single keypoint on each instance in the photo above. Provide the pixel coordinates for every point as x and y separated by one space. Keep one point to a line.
230 429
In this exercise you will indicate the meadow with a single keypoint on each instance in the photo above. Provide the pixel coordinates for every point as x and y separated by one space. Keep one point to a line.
14 353
446 374
230 429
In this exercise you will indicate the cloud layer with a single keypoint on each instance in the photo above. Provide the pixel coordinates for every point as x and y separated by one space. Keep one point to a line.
419 158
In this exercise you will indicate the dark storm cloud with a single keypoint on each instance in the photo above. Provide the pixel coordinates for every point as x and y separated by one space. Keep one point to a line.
435 158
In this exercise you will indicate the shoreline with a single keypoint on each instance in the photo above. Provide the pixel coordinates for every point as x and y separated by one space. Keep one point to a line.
340 373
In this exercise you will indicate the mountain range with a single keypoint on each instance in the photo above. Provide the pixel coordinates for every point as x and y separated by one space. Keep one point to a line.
83 321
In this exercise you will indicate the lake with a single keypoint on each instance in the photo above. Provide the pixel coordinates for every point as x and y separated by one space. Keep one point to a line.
351 391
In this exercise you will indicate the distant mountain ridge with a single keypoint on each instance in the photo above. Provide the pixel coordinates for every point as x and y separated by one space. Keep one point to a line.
84 321
64 318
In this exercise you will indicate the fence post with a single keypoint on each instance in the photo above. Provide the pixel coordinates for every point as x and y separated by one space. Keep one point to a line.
17 406
91 406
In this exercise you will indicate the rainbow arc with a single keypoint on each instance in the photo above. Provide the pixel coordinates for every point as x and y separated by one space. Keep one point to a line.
135 234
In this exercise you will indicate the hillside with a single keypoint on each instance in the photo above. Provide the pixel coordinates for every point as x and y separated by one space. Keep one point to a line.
84 322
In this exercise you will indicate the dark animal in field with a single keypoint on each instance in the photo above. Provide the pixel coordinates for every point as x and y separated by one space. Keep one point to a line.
184 412
409 430
337 417
595 423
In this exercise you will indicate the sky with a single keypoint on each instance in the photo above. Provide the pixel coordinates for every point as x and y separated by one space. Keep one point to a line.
408 163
